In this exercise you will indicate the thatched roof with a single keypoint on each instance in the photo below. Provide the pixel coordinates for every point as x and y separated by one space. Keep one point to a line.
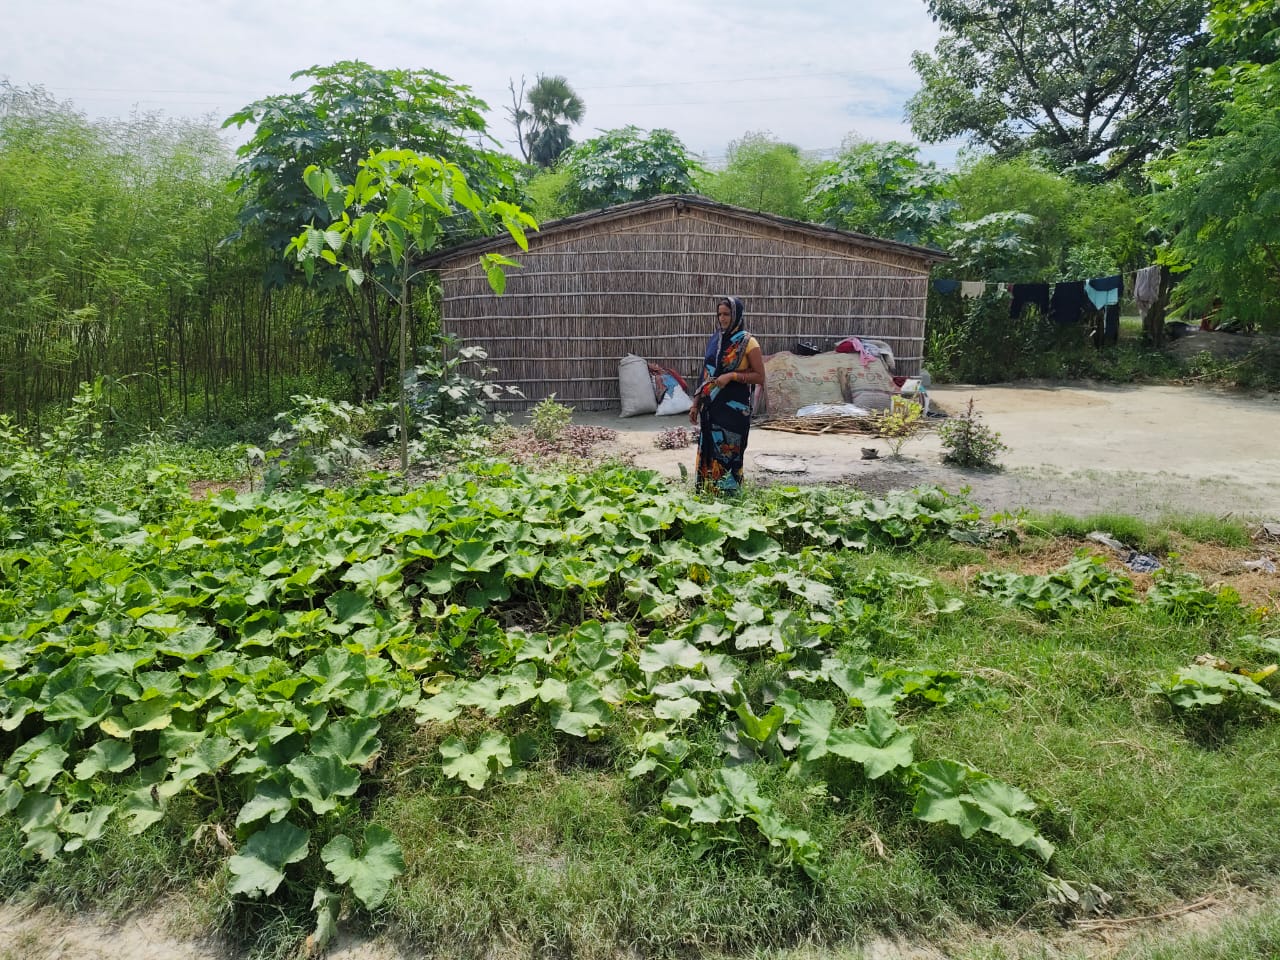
679 202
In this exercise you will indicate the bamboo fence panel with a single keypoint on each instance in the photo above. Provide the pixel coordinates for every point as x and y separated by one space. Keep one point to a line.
645 282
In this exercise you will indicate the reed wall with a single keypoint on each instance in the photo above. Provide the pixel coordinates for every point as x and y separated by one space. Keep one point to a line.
594 288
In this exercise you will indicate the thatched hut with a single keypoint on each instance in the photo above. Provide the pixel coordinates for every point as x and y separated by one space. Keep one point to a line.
641 277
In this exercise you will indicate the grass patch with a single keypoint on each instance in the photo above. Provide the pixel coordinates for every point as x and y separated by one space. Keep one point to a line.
583 714
1147 536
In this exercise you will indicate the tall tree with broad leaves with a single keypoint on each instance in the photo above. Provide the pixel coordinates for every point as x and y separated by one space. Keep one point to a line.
349 111
1097 85
627 164
1218 197
883 189
553 108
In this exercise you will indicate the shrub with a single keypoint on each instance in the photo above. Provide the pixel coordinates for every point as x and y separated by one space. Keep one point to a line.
549 418
899 424
969 442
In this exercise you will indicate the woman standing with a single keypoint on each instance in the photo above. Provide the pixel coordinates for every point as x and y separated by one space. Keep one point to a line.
722 406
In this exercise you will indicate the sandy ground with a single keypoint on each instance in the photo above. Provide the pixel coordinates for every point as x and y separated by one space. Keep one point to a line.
1077 448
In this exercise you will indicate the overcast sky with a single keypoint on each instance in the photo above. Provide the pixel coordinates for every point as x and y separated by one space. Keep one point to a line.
707 69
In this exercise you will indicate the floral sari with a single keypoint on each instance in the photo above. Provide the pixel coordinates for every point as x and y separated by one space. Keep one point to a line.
725 412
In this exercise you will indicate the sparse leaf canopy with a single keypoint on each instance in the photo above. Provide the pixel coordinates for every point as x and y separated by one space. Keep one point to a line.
1090 83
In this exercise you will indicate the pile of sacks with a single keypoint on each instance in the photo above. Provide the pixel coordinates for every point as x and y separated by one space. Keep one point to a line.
860 379
648 388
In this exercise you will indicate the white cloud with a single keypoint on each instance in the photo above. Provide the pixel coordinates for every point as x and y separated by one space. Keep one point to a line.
708 69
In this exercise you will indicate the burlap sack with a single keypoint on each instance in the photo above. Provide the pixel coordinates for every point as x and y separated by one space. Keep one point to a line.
635 386
792 382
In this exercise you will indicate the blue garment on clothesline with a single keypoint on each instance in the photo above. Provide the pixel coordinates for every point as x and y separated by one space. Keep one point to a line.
1104 291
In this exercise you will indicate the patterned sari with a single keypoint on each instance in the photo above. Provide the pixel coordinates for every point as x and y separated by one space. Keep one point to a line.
725 412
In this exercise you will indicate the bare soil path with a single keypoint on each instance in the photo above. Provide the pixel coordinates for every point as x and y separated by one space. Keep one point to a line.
1077 448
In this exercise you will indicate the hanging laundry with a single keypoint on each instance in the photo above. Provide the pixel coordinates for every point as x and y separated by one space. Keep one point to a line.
945 287
1104 291
1146 289
972 288
1068 302
1028 294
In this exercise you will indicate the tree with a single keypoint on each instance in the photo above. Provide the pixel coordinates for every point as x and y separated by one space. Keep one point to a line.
1096 84
628 164
761 174
553 106
349 110
1076 229
396 210
1214 197
519 116
882 189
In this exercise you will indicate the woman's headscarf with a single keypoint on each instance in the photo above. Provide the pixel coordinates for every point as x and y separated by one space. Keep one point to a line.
724 337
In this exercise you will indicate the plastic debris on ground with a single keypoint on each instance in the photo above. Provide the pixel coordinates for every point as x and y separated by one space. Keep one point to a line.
1261 565
1135 561
833 410
1141 562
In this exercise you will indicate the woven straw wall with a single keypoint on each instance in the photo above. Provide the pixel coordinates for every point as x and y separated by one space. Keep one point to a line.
646 284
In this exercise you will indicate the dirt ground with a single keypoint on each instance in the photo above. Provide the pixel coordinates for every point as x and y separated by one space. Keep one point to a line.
1078 448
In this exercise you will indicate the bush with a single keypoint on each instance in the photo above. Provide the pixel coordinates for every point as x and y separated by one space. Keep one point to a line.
549 418
974 340
900 424
969 442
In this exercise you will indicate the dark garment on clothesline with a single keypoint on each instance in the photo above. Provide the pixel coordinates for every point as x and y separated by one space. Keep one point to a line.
1068 303
946 286
1111 325
1025 294
1113 282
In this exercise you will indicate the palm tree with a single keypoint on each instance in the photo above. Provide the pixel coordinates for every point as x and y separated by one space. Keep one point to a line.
553 107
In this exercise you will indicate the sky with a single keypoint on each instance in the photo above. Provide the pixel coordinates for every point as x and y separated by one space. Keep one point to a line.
809 72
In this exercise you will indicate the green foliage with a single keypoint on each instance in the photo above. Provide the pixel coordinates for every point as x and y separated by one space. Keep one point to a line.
627 164
968 442
259 645
451 388
470 666
761 174
1093 86
1082 584
1212 697
349 111
1222 216
1185 596
995 247
882 189
900 423
110 263
548 419
549 194
393 213
553 107
1019 221
315 438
